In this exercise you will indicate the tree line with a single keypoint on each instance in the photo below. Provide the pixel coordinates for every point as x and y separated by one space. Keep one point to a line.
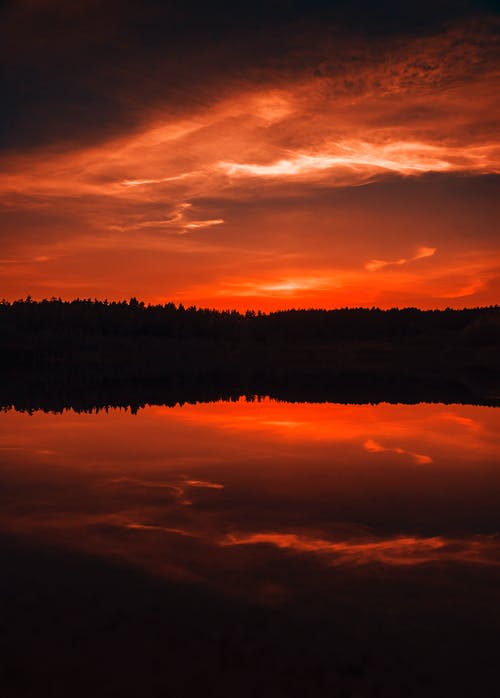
87 317
92 352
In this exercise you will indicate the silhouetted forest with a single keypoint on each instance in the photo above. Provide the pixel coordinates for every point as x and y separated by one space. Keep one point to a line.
58 353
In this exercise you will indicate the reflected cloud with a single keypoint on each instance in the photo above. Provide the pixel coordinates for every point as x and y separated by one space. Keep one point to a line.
467 422
373 446
237 495
204 484
154 528
400 550
177 486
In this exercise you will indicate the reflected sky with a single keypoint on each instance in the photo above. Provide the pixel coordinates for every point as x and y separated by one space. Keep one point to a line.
261 498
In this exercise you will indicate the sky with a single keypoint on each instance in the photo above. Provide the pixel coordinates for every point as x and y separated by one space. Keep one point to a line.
263 155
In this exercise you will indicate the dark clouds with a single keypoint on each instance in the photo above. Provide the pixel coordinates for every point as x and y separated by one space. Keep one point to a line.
250 154
85 71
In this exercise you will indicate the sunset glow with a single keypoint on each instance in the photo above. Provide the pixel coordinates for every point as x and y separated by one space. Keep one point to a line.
364 177
250 366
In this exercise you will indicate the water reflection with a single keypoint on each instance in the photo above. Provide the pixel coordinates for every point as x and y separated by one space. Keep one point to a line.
264 499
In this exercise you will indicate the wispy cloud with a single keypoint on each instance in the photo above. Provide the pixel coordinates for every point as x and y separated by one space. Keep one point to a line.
179 220
160 180
279 287
266 166
362 158
421 253
467 290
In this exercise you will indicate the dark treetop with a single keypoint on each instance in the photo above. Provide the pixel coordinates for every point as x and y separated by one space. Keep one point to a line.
87 353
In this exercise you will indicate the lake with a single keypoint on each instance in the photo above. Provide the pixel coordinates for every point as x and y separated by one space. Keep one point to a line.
255 546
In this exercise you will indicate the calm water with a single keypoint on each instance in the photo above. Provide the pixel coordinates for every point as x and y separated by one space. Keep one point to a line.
356 517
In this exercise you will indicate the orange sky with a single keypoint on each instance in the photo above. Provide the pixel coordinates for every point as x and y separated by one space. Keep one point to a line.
371 179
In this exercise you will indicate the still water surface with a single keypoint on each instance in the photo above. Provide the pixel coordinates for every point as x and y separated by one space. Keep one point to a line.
202 492
236 549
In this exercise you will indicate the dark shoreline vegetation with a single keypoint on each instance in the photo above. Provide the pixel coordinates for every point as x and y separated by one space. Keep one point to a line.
89 354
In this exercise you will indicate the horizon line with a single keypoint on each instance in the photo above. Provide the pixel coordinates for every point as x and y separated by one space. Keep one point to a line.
133 301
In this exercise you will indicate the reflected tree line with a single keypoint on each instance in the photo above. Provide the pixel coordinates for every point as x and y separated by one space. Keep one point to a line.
128 353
